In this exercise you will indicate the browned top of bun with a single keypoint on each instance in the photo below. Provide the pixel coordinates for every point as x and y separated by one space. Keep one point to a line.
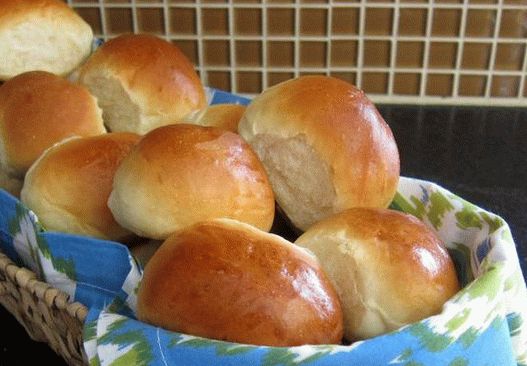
181 174
389 268
39 109
410 248
225 116
227 280
153 67
68 187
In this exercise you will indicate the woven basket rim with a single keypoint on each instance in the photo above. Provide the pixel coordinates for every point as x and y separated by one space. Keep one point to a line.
53 306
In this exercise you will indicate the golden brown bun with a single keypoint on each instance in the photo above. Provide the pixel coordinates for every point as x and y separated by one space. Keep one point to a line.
227 280
388 268
182 174
37 110
42 35
325 147
225 116
142 82
68 187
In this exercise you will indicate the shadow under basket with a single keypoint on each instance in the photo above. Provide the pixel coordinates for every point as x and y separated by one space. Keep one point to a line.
44 311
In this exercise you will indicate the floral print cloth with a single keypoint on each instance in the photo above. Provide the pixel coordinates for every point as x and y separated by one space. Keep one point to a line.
484 324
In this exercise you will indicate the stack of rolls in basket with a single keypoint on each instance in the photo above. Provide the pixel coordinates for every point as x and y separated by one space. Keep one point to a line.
130 152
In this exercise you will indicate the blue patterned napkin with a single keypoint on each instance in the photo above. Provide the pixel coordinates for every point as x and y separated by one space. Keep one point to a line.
484 324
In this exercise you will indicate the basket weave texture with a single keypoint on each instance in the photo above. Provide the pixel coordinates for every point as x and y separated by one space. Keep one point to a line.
44 311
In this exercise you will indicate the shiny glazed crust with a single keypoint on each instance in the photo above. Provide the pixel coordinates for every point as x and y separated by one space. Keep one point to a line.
182 174
388 268
39 109
227 280
68 187
224 116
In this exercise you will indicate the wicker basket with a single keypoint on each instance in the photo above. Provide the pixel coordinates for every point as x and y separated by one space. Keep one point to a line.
44 311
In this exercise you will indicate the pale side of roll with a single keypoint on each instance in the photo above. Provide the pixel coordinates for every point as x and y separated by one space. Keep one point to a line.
388 268
325 147
142 82
42 35
69 185
182 174
227 280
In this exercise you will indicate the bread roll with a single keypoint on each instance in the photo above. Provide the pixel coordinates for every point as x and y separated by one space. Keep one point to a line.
388 268
68 187
227 280
325 147
142 82
37 110
225 116
182 174
42 35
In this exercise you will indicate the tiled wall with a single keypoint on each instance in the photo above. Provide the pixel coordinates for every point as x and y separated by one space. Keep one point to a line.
418 51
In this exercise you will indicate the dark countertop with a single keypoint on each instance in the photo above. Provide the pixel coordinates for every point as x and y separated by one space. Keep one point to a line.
477 153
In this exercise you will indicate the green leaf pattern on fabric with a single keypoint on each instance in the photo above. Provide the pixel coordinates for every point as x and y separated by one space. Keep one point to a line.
494 222
274 357
439 206
90 331
413 206
403 357
287 357
89 336
66 266
94 361
473 217
459 362
413 363
133 346
495 287
434 208
34 252
433 341
469 337
468 218
221 348
458 320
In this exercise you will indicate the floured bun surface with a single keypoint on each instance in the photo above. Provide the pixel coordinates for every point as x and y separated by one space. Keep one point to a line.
68 187
142 82
325 147
388 268
227 280
181 174
42 35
